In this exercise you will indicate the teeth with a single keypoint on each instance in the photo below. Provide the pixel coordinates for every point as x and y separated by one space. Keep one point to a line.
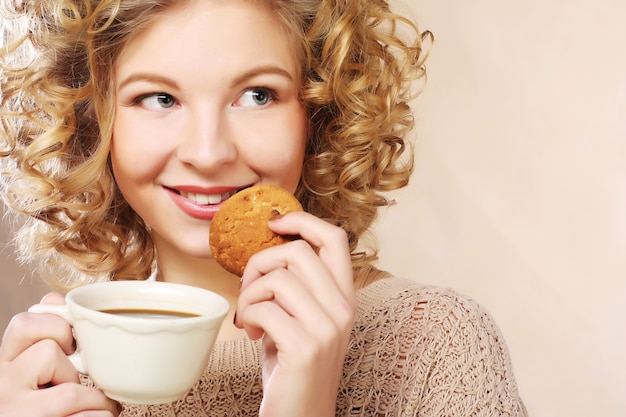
205 199
213 199
202 199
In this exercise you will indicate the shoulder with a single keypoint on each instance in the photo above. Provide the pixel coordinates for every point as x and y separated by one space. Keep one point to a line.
402 294
436 346
430 314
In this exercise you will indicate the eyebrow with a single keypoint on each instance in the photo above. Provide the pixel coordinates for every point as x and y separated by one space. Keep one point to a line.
158 79
262 70
148 77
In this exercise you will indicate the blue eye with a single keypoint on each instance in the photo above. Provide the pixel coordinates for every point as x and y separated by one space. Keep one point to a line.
258 96
156 101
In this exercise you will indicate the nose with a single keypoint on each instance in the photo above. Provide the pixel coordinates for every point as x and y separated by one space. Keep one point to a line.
207 141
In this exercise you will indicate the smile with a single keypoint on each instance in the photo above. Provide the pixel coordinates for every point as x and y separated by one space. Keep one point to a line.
206 199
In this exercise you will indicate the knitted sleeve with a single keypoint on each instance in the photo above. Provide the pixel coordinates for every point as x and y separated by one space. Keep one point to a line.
465 361
428 352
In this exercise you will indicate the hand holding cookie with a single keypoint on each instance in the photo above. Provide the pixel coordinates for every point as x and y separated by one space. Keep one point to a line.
239 229
298 296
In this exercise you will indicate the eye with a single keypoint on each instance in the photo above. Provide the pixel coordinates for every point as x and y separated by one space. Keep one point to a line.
256 97
156 101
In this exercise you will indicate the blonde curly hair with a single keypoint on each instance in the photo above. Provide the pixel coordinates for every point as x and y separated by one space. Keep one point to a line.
360 63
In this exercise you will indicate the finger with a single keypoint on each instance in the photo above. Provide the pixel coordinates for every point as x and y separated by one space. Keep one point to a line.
299 346
75 400
303 264
93 413
42 364
270 319
331 242
26 329
282 288
298 257
53 298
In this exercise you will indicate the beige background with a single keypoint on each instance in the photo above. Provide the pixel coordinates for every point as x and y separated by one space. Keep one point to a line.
519 199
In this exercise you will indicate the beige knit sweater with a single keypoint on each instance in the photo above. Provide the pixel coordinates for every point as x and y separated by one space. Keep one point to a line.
415 351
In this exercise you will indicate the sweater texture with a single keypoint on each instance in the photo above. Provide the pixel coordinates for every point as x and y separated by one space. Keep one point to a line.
415 350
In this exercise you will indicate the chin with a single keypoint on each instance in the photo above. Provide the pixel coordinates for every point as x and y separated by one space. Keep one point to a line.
194 248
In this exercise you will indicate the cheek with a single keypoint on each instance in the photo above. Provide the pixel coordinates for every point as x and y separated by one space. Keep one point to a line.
301 126
123 146
283 155
300 129
126 178
136 152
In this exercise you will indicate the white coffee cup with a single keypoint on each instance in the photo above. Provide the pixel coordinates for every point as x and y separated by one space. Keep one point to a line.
141 358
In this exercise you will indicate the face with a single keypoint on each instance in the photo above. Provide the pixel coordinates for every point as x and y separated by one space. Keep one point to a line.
207 103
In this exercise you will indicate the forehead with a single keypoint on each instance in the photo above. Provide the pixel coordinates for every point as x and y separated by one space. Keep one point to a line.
213 30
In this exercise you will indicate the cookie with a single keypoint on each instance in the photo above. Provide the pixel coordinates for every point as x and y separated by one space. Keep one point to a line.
239 229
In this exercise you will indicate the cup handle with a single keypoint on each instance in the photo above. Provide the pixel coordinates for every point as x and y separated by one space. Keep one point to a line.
62 311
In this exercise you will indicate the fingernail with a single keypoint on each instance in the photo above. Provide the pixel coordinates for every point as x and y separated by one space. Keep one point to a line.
276 216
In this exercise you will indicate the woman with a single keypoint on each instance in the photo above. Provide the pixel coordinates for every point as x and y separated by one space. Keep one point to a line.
130 122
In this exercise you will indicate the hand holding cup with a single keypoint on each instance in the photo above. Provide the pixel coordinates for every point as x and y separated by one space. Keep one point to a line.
139 341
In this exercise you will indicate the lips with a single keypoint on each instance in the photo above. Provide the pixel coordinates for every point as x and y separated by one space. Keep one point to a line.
200 203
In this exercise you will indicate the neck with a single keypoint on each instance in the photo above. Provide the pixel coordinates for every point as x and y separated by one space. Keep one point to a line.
202 273
207 274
